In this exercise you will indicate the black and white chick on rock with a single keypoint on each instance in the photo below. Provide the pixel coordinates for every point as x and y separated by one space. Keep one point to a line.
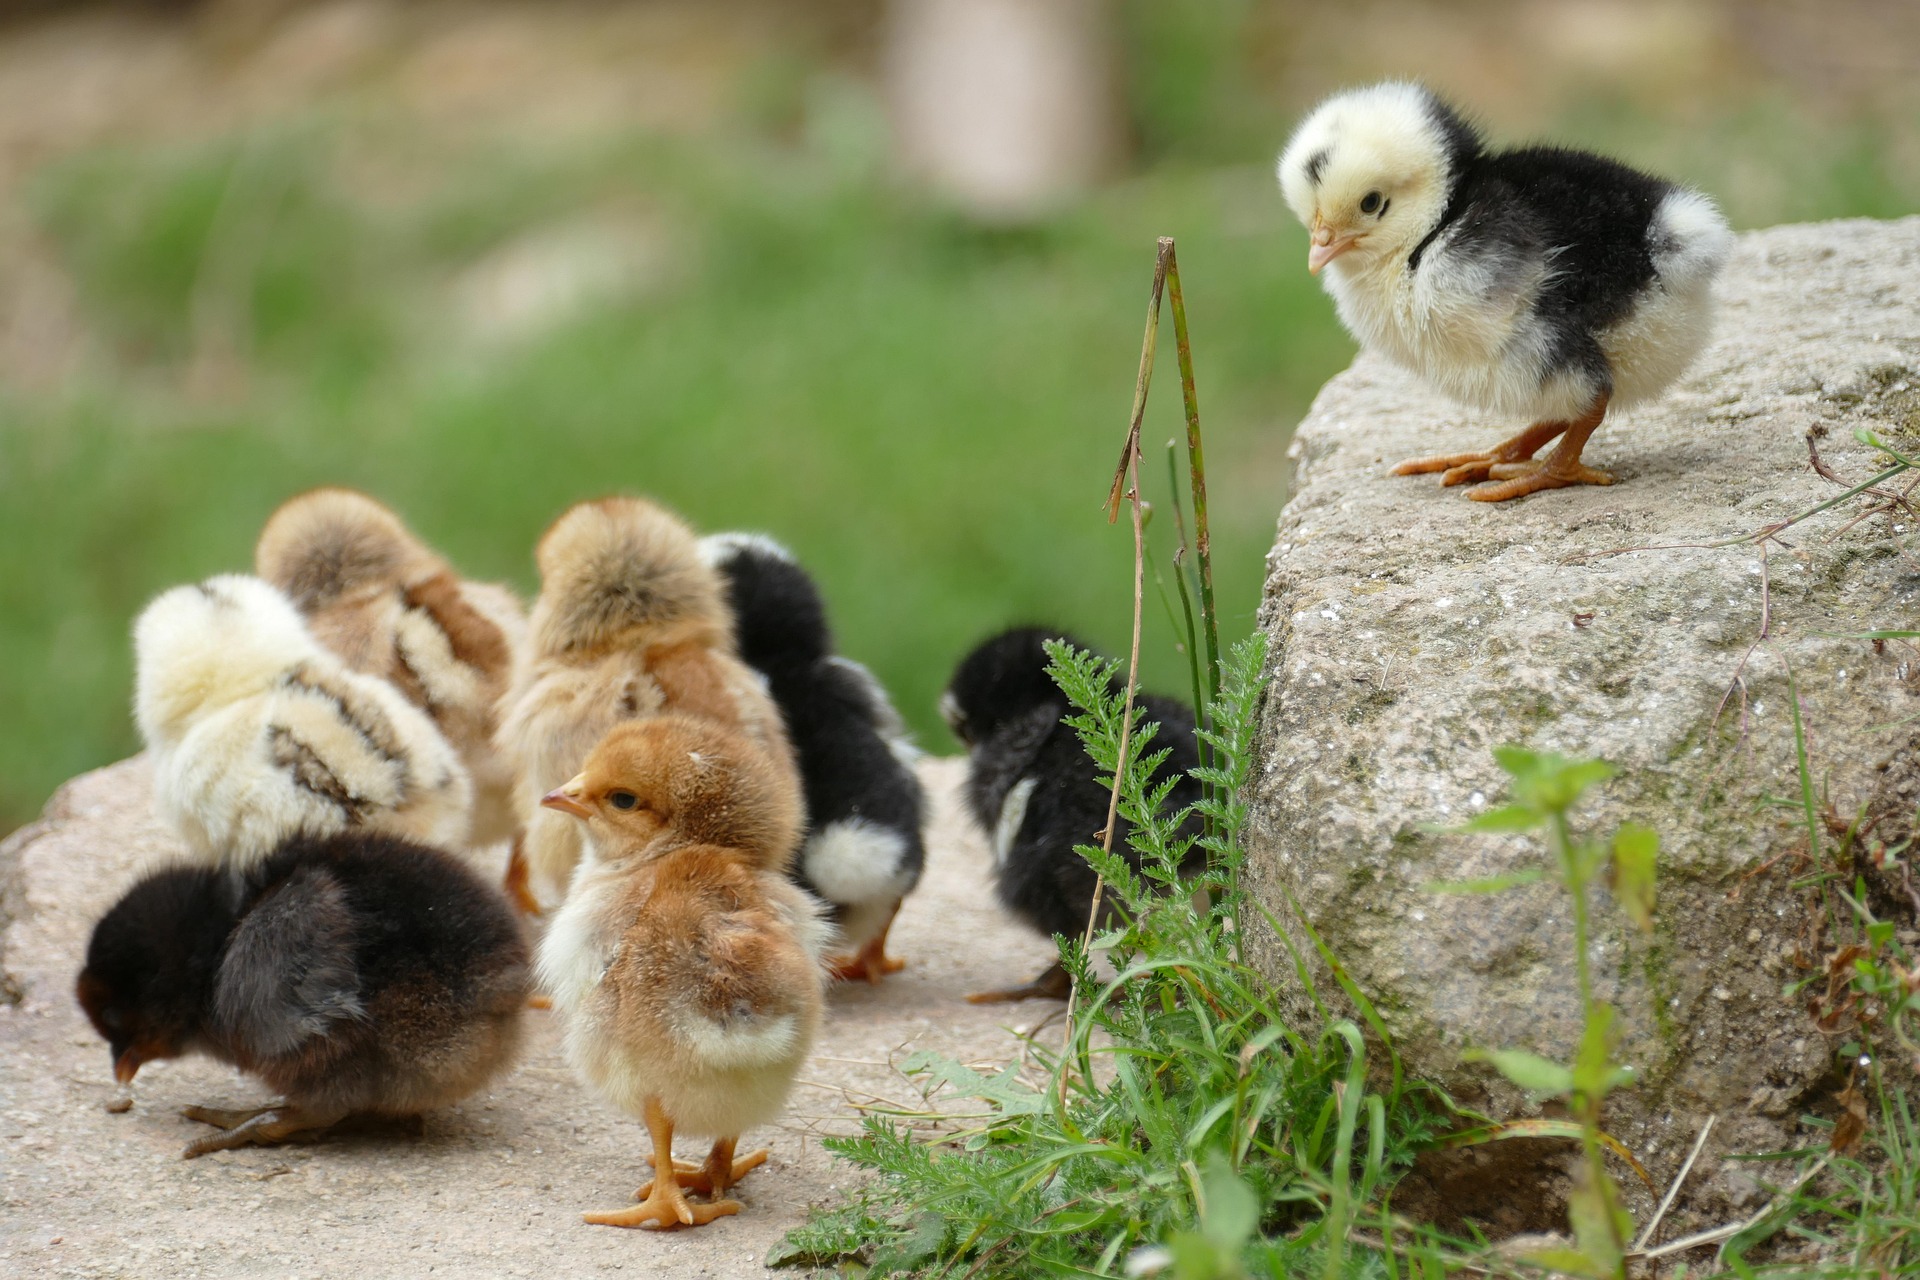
863 851
1538 281
1035 793
355 974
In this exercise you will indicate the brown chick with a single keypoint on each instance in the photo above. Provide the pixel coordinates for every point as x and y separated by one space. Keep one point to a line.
389 605
631 622
684 965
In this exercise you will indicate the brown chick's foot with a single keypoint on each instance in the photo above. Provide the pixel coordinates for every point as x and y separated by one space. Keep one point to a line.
1516 480
717 1175
1052 984
539 1002
264 1127
518 889
665 1208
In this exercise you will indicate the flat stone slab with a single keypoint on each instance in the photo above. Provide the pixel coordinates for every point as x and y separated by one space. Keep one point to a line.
496 1185
1414 630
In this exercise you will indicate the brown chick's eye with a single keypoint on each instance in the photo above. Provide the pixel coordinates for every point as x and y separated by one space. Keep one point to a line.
623 800
1372 202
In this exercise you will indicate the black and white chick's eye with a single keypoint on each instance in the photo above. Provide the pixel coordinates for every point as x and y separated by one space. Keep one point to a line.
623 800
1373 202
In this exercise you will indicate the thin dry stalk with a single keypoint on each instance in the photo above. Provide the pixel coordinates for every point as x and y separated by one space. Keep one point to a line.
1666 1202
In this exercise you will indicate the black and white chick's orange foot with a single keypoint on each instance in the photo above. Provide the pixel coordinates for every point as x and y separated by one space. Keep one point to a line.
869 965
1051 984
1518 479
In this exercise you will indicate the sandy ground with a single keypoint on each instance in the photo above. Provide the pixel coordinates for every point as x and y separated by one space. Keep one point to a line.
495 1186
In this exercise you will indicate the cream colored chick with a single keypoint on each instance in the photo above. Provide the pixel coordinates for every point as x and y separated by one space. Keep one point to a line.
1539 281
684 965
389 605
631 622
258 733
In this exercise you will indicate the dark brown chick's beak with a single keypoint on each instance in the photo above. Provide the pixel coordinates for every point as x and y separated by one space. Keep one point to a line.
567 798
127 1065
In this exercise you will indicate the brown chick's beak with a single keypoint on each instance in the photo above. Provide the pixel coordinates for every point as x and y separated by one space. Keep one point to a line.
127 1065
1326 246
567 800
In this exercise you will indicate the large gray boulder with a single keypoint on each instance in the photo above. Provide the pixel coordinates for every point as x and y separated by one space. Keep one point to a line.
1412 631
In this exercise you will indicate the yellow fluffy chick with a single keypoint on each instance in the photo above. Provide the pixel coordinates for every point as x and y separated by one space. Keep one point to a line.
258 732
631 622
391 606
684 965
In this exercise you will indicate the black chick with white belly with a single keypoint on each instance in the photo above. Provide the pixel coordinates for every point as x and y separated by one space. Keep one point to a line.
355 974
1540 281
863 851
1034 791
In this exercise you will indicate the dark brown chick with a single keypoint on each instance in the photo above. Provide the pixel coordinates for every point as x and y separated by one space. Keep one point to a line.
631 622
684 964
355 974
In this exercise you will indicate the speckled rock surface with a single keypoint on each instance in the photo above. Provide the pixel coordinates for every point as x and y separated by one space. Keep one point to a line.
1413 630
496 1185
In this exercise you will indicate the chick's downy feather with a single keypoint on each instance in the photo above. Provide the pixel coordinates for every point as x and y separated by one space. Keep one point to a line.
388 605
1540 281
684 964
353 974
258 733
630 623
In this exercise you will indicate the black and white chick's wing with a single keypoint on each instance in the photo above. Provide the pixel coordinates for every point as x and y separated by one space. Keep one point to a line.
1539 281
863 851
1033 790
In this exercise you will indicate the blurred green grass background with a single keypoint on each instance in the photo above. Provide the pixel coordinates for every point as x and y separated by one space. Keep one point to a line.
755 322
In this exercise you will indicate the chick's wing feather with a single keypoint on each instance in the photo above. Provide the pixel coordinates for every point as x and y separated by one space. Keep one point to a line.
289 973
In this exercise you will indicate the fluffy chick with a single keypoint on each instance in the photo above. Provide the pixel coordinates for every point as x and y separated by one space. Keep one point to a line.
630 622
389 605
684 963
258 733
863 851
1540 281
355 974
1031 787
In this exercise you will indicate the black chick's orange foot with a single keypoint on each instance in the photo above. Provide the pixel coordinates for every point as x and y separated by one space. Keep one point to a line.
1052 984
1518 479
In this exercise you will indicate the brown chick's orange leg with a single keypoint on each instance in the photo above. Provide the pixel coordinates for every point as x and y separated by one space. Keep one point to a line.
666 1205
871 963
519 892
266 1127
720 1172
1459 468
1052 984
1558 470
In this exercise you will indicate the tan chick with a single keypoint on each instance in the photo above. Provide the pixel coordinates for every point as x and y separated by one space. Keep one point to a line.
684 965
631 622
391 606
258 733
